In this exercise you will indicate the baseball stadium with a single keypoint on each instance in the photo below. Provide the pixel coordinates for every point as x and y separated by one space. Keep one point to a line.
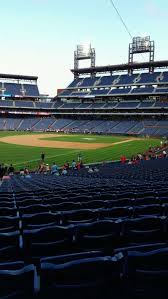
83 180
106 112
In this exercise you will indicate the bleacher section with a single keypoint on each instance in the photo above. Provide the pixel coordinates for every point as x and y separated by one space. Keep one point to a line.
43 124
31 90
99 92
27 124
86 235
146 105
60 124
120 91
87 105
122 84
128 105
143 90
122 80
23 104
129 127
43 105
6 103
17 89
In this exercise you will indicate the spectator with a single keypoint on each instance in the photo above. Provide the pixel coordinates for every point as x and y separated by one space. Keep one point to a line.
2 169
47 168
73 164
81 164
11 170
41 168
64 172
66 166
22 172
123 159
54 168
79 157
1 172
26 171
78 165
90 170
164 154
96 169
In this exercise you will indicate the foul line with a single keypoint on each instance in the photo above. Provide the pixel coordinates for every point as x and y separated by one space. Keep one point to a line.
49 157
124 141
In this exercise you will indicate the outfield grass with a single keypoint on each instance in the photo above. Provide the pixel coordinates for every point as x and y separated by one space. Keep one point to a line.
29 156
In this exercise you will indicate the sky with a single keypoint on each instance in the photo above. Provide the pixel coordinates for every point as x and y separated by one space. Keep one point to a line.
38 37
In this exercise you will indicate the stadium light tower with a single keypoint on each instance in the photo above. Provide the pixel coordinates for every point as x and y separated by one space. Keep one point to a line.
84 52
141 45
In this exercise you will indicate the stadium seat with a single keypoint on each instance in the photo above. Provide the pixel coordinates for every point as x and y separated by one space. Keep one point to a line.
47 241
116 213
40 220
84 278
102 234
79 216
147 273
9 224
17 280
144 229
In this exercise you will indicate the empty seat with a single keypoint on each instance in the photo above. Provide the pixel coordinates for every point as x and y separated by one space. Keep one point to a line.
40 220
17 281
7 204
60 259
147 273
94 204
28 202
65 206
9 238
47 241
123 202
82 278
116 213
34 209
5 211
144 229
10 253
148 210
79 216
9 224
104 234
149 200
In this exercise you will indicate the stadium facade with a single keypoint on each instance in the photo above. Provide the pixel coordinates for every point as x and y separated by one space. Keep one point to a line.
129 98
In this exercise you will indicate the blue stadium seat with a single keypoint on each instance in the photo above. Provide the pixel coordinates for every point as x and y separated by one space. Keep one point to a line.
87 278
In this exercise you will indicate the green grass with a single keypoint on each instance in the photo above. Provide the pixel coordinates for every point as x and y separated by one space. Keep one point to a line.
29 156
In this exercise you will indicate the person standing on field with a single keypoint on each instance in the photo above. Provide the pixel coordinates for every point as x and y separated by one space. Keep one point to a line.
42 157
80 157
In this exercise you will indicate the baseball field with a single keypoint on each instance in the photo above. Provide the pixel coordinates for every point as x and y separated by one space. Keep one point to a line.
23 149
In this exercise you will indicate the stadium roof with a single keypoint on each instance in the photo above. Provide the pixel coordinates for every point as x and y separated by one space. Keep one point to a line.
18 77
122 67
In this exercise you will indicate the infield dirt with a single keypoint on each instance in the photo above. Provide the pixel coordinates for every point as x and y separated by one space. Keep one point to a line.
36 140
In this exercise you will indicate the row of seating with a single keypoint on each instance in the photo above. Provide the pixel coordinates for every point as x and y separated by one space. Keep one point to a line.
130 273
116 105
157 78
114 92
16 89
86 236
35 238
